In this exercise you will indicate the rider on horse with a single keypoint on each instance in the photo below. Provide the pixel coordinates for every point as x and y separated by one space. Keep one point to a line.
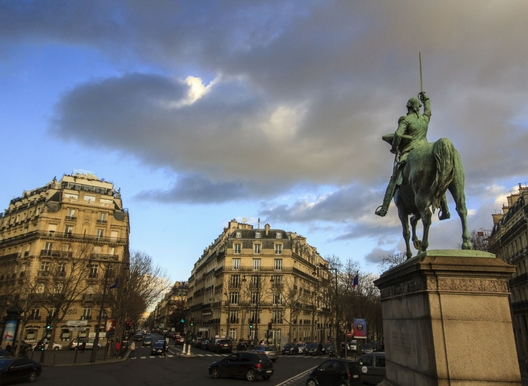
410 134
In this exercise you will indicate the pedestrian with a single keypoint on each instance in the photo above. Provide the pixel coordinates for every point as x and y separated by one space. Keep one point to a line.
132 349
320 348
117 347
83 346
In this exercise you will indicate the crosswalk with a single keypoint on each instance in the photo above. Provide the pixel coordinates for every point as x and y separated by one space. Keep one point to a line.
202 355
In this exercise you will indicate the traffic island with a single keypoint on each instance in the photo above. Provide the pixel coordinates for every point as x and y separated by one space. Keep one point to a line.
447 321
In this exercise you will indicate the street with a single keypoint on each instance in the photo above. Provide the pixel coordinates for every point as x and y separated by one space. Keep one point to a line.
149 370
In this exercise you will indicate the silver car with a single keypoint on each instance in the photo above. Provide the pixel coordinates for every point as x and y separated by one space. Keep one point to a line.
270 351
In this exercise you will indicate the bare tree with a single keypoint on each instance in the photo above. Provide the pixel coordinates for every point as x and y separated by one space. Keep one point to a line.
479 239
390 261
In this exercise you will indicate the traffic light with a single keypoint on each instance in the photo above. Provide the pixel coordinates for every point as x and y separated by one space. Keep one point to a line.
192 322
182 321
48 322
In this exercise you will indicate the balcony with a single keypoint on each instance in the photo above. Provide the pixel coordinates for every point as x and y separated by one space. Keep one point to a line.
86 317
34 317
233 320
71 218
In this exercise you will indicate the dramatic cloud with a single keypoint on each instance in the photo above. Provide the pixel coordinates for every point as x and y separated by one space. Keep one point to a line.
285 102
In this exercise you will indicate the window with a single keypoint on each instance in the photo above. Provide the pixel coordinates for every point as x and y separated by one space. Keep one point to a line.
232 333
35 314
256 264
48 246
71 214
277 299
277 279
102 217
279 235
99 233
111 251
68 231
52 228
236 264
89 199
254 297
233 296
276 316
237 248
71 196
258 235
93 271
233 316
278 265
253 316
87 313
61 269
278 249
235 281
114 235
238 235
256 249
44 268
106 202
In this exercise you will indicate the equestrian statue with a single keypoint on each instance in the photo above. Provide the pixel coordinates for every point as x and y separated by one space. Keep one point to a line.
422 174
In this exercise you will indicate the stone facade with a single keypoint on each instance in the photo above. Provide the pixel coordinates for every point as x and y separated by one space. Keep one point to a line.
69 234
260 284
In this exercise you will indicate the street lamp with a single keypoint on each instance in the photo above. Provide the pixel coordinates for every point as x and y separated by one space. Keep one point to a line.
336 310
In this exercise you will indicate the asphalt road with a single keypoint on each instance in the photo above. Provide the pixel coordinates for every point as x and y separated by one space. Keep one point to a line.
147 370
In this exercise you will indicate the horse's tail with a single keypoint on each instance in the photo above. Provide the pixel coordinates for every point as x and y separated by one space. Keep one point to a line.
444 154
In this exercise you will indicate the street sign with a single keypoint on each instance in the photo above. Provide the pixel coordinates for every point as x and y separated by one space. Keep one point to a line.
349 334
78 328
76 323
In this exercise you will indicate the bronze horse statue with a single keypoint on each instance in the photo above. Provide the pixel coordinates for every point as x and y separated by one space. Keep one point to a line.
429 171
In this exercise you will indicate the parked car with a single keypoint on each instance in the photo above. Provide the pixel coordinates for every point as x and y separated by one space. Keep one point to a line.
158 348
311 349
367 348
223 345
249 365
198 342
89 343
352 345
18 369
328 349
372 367
335 372
138 337
5 353
301 347
147 341
268 350
207 345
41 345
290 349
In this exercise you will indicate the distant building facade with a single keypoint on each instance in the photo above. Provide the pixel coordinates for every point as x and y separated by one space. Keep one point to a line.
509 241
260 284
58 242
172 309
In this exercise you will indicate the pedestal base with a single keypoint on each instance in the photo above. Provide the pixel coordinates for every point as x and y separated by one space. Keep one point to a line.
447 321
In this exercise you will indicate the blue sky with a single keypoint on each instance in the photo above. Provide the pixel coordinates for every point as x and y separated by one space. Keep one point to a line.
202 112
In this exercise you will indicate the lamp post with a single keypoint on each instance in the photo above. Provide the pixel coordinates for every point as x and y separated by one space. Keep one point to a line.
336 310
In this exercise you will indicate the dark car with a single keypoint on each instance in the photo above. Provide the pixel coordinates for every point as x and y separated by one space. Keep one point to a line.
147 341
223 345
290 349
18 369
158 348
372 367
311 349
243 365
335 372
138 337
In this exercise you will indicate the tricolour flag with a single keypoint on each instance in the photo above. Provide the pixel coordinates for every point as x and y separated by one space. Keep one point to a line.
355 282
115 284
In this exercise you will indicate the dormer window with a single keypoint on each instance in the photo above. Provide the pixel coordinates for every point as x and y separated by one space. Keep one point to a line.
279 235
238 235
258 235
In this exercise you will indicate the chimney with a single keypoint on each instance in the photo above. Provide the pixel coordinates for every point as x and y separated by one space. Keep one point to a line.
267 228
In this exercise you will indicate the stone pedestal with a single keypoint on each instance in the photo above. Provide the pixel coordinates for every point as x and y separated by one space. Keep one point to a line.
447 321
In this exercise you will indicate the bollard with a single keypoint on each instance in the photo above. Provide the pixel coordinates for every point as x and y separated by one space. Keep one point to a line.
184 347
188 349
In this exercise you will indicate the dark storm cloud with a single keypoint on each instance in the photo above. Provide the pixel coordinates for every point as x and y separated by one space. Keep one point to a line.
193 189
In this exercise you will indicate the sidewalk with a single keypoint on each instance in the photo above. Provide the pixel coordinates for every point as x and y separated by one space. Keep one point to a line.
67 357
